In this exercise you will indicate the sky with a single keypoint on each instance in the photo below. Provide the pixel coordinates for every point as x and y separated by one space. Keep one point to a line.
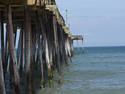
102 22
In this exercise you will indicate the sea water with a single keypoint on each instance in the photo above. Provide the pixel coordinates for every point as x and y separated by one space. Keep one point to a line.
100 70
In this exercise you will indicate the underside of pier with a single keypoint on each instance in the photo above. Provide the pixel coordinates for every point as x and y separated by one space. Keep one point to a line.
33 36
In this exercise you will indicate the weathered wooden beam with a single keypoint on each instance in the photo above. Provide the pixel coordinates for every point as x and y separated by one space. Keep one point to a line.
6 2
32 34
68 47
2 43
78 46
41 62
72 49
77 37
19 47
82 46
7 54
2 83
22 50
33 43
27 50
18 2
57 48
21 3
13 58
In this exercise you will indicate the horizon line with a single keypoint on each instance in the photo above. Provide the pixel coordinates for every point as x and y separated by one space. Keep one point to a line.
103 46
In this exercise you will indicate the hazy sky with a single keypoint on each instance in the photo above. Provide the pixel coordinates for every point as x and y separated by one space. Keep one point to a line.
102 22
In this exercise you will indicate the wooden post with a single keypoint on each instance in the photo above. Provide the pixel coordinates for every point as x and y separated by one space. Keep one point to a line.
57 48
48 62
63 48
32 62
69 49
72 49
21 58
41 62
15 35
2 83
13 58
82 46
6 51
33 44
78 46
2 43
19 48
66 51
27 50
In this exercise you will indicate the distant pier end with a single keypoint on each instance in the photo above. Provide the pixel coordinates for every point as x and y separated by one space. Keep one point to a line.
77 38
34 37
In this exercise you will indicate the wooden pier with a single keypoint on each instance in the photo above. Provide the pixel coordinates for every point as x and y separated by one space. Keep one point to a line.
44 42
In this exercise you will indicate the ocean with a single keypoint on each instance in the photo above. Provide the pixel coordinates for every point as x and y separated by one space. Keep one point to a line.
100 70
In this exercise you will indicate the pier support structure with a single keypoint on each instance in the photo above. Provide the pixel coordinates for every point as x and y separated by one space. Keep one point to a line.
44 39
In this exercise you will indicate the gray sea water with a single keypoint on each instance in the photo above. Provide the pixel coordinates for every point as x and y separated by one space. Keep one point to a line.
100 70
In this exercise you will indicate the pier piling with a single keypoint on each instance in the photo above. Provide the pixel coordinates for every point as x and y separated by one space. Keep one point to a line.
2 83
13 59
